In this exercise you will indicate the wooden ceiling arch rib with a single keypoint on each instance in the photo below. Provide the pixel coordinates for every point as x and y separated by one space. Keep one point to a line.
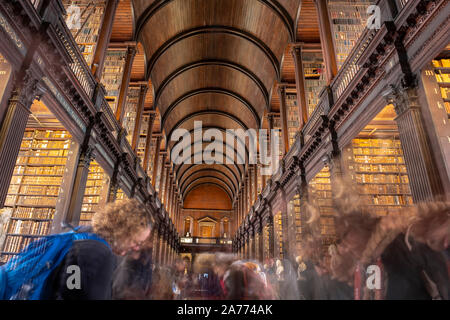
216 90
238 140
207 173
156 5
215 30
224 170
240 170
206 62
197 167
236 154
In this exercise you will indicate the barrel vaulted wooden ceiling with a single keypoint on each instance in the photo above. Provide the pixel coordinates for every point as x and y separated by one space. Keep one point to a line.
215 61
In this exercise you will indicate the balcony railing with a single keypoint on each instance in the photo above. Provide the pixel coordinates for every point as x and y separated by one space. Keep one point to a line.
79 66
204 240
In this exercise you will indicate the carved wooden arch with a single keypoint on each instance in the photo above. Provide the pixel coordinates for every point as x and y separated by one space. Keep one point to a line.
189 94
206 62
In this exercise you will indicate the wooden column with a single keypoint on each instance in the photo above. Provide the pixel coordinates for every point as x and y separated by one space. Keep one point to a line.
103 39
260 240
156 245
300 85
250 186
326 40
156 160
167 188
255 181
139 117
131 52
283 115
73 185
13 127
424 179
148 142
285 225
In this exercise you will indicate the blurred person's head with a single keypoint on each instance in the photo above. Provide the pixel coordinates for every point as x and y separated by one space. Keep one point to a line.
222 262
125 225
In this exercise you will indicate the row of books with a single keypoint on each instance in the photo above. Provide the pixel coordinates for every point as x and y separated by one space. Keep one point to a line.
29 227
374 177
33 190
53 170
33 213
441 63
15 244
384 189
378 159
394 200
46 160
36 180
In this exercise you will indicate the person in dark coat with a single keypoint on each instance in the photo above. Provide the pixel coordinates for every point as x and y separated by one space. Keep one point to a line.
419 273
125 226
133 276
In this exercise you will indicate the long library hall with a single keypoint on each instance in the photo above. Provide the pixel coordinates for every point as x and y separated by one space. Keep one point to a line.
225 149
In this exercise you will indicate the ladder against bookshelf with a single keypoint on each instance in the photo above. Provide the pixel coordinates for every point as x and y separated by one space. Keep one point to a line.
84 19
112 75
92 193
321 196
348 20
313 67
131 105
293 119
34 187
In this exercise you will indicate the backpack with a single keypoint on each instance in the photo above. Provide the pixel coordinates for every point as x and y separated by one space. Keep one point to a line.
25 275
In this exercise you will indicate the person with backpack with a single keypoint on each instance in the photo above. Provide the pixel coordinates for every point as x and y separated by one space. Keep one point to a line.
77 265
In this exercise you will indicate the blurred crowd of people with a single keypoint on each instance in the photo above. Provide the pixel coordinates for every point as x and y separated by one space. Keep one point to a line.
397 256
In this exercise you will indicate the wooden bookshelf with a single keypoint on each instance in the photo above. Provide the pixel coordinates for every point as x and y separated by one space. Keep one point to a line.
143 138
295 218
442 74
293 119
131 105
152 157
277 126
91 199
379 170
348 20
278 230
313 67
34 187
112 75
321 196
90 23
